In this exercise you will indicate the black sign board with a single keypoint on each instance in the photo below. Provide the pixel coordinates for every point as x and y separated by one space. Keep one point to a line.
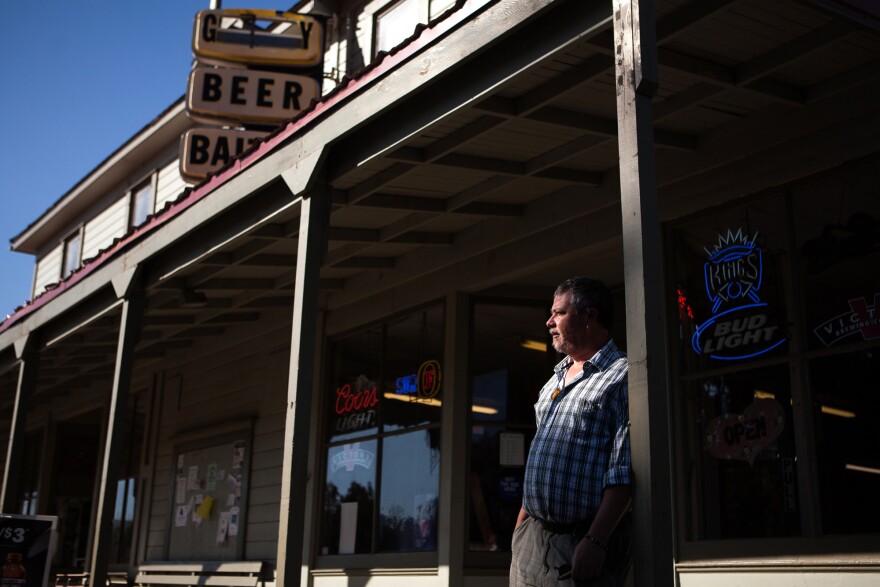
26 547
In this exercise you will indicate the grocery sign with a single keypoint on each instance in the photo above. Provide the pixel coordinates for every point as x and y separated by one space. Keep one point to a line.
229 89
233 34
248 95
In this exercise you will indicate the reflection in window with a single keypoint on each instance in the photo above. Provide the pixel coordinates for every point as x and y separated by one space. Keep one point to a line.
510 362
410 478
847 408
383 410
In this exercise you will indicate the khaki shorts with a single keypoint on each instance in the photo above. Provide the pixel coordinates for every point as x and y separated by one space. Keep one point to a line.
538 555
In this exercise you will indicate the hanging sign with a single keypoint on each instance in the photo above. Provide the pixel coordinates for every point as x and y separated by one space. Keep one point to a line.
205 150
247 95
27 544
258 36
741 325
862 320
356 407
744 436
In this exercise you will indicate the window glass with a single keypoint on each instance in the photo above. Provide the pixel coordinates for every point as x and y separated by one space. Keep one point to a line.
847 408
411 387
438 7
410 478
356 364
510 361
141 204
72 251
837 227
731 303
740 456
349 498
396 24
384 437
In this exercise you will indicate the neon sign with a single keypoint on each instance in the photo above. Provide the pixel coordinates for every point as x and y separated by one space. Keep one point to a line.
422 385
744 436
351 456
356 408
739 327
861 319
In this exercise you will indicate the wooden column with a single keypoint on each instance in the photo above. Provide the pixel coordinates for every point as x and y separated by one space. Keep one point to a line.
291 569
133 298
451 530
27 381
636 81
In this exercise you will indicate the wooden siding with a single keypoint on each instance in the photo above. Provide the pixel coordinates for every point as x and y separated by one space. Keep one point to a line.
100 231
240 375
48 269
170 184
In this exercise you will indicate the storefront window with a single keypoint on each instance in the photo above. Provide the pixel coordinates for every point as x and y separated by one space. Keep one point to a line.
510 361
384 437
837 225
742 461
738 438
777 355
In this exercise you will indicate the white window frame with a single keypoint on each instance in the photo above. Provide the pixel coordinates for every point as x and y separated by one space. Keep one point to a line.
66 268
148 183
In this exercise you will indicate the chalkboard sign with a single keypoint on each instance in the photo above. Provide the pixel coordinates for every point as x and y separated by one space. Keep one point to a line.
26 547
209 497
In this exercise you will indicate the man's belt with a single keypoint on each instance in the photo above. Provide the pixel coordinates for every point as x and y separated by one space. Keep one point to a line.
577 528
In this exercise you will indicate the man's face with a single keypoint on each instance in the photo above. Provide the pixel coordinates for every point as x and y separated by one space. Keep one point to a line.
568 329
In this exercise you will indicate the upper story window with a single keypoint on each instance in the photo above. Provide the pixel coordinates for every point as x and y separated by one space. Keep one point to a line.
72 253
398 21
141 203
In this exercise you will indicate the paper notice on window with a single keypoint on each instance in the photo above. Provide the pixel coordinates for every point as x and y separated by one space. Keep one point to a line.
511 449
348 527
181 515
233 521
180 491
222 527
193 482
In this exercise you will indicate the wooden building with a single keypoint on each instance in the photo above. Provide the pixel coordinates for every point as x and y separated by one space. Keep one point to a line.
323 358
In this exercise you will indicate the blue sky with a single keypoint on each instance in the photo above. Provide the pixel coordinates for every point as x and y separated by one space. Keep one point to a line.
79 79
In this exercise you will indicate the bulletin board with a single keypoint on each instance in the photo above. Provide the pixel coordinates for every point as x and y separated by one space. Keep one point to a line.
208 497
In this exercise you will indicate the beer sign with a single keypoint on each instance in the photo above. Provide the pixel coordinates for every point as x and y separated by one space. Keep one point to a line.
258 36
247 95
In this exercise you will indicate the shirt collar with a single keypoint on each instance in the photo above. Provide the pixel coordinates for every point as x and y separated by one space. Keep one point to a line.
601 360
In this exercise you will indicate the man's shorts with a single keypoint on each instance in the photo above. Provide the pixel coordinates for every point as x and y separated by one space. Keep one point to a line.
538 556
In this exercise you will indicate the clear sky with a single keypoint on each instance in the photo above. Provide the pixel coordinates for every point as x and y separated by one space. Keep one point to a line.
79 78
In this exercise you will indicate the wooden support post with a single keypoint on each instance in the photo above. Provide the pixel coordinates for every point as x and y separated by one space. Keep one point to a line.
636 81
129 333
451 531
27 381
291 569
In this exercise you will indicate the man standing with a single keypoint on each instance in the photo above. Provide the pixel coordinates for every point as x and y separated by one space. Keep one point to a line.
574 526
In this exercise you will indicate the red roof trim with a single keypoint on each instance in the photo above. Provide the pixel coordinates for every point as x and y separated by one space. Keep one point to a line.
383 63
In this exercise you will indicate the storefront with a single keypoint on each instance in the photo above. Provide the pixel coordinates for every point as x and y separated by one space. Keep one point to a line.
339 338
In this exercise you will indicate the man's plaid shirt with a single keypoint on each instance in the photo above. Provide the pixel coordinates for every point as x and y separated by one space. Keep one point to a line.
582 442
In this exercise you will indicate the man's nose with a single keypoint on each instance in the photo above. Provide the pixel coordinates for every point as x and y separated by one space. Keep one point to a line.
550 323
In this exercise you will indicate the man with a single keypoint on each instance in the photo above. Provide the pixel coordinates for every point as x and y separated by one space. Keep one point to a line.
574 526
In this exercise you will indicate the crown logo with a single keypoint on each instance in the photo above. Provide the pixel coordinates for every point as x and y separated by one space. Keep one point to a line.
736 242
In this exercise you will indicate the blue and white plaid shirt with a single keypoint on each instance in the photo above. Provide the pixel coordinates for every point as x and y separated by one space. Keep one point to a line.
582 442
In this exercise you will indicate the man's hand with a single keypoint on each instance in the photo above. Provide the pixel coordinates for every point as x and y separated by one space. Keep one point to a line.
587 560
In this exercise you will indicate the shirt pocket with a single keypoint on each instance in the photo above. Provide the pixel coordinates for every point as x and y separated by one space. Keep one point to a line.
593 420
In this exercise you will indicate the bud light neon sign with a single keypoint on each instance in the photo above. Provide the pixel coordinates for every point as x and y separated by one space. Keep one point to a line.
739 327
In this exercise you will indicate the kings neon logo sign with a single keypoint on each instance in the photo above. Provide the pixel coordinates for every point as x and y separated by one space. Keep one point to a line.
740 326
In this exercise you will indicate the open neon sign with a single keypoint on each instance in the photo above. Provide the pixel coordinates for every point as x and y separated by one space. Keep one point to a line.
739 327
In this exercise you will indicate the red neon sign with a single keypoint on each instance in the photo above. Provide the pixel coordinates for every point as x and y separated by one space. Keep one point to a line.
348 401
